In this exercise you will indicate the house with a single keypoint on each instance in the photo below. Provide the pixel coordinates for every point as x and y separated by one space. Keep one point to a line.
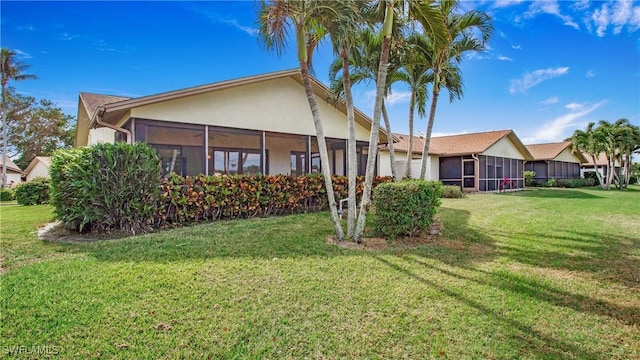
14 174
256 124
38 167
554 160
485 161
601 165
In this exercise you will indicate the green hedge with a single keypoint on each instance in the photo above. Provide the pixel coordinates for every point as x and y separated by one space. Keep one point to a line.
34 192
406 207
452 192
106 187
196 198
7 194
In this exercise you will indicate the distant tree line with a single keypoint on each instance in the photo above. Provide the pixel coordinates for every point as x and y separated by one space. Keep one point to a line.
30 127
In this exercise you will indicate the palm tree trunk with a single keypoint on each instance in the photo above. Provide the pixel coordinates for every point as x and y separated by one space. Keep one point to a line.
383 66
351 145
322 148
392 154
598 175
427 136
412 105
5 133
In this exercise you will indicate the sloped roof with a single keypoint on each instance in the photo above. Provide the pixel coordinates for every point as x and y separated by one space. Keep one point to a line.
550 151
601 159
115 107
92 101
463 144
10 165
46 160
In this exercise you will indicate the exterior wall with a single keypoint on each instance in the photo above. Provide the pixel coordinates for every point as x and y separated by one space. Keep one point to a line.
39 170
546 170
494 171
101 135
567 156
278 105
504 148
13 178
82 129
384 165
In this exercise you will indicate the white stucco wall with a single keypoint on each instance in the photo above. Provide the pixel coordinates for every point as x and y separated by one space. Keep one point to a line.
567 156
13 177
101 135
384 165
39 170
278 105
504 148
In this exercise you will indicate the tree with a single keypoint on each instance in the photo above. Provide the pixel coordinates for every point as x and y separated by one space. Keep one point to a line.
309 19
429 17
12 70
627 140
586 141
468 31
415 73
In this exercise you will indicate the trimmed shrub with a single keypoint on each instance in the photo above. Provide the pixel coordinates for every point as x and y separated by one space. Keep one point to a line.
529 179
452 192
191 199
106 187
406 207
34 192
7 194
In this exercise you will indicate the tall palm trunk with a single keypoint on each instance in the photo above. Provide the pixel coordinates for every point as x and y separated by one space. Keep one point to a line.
351 145
432 116
322 148
598 175
5 133
412 105
392 153
365 203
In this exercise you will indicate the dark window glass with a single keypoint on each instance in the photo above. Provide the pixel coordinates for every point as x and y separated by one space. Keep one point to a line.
469 168
469 182
483 167
450 168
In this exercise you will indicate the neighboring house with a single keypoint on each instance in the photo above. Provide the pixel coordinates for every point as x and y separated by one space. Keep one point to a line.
486 161
14 174
554 160
38 167
600 166
257 124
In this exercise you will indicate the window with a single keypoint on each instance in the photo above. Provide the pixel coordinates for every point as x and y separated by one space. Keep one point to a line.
235 161
298 163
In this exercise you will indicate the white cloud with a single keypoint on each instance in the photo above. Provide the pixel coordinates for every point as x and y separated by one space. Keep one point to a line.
215 17
444 133
617 14
590 74
396 97
22 54
532 79
27 28
506 3
562 126
550 7
504 58
66 36
247 29
517 47
550 101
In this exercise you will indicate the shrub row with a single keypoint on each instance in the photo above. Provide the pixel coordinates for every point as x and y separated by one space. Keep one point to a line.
452 192
7 194
106 187
406 207
34 192
192 199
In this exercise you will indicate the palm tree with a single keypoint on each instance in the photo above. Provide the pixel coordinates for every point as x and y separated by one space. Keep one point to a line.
12 70
309 19
415 73
430 18
469 31
627 140
588 143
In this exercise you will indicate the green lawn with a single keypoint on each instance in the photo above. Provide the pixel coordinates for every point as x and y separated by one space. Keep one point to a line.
538 274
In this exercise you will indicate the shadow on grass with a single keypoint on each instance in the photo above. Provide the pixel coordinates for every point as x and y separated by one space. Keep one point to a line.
459 244
554 193
292 236
519 333
607 257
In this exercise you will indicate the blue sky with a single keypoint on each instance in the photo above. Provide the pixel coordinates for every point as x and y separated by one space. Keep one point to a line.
551 67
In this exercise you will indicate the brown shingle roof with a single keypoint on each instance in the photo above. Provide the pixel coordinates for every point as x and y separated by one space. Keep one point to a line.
92 101
10 165
463 144
551 150
601 159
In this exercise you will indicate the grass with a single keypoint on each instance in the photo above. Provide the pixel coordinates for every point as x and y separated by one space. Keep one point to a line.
539 274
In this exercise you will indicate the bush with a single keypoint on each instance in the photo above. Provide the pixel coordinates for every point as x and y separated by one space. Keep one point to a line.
406 207
633 180
34 192
452 192
7 194
106 187
190 199
529 179
575 182
551 182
